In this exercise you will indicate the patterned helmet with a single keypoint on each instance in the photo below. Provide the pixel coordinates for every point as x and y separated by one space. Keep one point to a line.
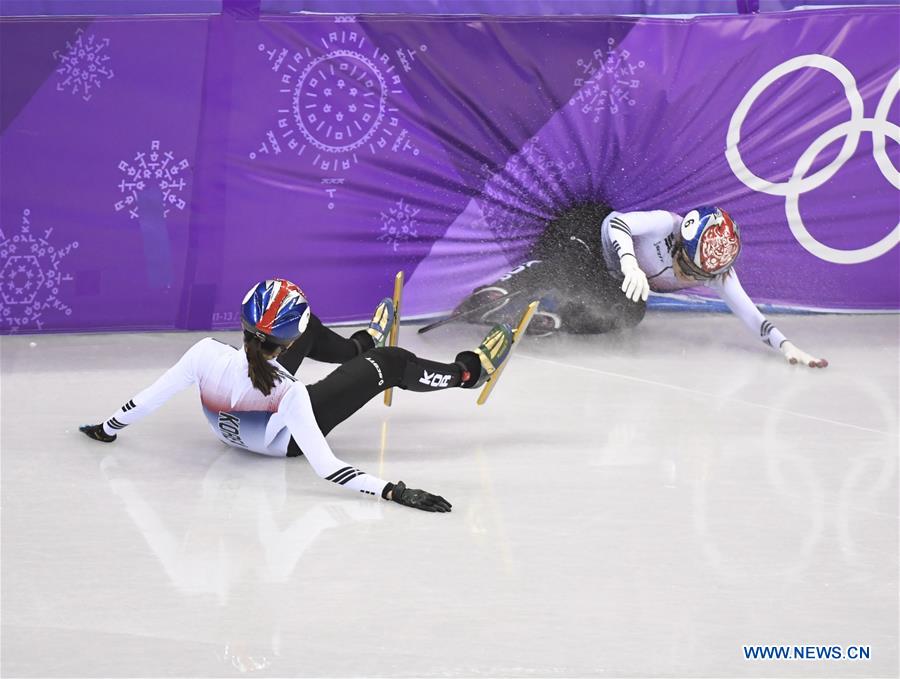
709 242
275 311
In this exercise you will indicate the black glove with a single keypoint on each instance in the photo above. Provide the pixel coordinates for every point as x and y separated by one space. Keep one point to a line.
95 431
417 499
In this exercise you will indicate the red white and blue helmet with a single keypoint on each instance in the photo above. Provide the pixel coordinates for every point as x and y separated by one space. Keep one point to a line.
709 242
275 311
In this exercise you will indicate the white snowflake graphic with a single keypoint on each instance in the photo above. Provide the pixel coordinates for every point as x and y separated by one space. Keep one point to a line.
516 198
607 81
336 101
83 67
30 277
152 168
399 224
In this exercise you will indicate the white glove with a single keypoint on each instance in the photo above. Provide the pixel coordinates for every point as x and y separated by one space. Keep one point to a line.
635 285
795 355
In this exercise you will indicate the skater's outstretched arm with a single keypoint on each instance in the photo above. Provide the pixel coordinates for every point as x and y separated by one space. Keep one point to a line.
180 376
296 409
734 295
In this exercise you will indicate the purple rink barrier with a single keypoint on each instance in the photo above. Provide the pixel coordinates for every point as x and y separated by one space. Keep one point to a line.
154 168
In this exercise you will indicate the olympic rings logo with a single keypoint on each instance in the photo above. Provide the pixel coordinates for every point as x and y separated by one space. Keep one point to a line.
878 126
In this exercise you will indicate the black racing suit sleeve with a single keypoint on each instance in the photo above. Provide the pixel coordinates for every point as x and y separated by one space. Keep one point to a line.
321 343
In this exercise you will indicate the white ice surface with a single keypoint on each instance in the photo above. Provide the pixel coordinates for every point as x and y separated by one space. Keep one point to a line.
642 505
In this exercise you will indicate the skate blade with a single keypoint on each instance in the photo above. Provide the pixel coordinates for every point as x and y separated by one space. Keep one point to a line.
395 328
518 333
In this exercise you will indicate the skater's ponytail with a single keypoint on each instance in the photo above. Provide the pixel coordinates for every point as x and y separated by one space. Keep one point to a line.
262 374
273 314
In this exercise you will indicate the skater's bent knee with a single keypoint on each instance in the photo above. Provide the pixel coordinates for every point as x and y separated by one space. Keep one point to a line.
392 360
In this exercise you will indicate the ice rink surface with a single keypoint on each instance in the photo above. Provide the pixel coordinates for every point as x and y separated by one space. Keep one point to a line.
641 505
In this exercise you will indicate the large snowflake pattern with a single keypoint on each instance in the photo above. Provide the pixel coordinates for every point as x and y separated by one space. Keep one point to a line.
607 81
31 278
84 65
336 103
399 224
148 168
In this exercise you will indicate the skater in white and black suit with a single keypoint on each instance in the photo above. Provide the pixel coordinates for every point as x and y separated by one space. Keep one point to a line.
253 401
593 268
